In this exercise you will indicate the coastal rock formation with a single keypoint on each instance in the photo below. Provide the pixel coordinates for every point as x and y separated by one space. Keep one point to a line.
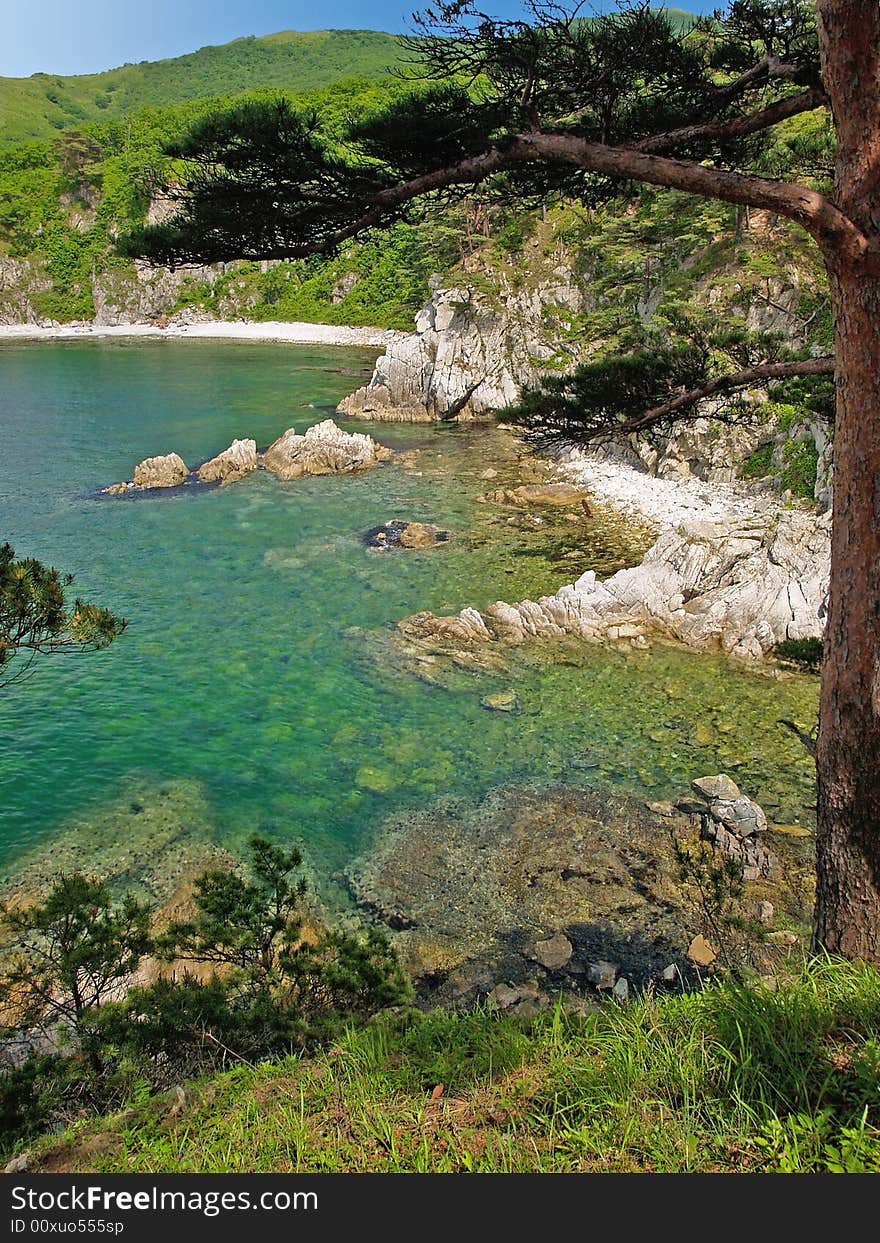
324 449
166 471
742 585
476 345
469 355
734 824
233 463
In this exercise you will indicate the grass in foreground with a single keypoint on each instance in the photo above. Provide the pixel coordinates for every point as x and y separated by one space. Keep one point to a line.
734 1078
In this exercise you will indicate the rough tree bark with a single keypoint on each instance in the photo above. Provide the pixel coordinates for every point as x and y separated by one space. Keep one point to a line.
848 753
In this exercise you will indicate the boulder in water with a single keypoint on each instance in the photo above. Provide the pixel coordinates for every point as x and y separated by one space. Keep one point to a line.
529 494
324 449
501 701
166 471
399 534
233 463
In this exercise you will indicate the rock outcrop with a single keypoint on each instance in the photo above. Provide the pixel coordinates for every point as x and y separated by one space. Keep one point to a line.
734 824
742 586
469 355
324 449
22 284
232 464
166 471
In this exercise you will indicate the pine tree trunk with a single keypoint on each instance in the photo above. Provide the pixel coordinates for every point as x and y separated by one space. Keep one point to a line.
848 753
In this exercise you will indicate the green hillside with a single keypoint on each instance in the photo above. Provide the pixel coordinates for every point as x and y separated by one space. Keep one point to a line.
39 106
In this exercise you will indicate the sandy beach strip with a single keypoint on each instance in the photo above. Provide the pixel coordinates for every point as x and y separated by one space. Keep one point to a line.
232 330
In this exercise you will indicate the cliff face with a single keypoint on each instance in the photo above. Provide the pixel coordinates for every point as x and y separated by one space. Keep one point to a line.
469 355
498 324
123 294
21 282
467 360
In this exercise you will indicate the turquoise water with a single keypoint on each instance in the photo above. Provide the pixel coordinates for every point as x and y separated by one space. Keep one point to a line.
248 667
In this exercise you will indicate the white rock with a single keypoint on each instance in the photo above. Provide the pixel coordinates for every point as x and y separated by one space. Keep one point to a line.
749 584
166 471
325 449
233 463
467 356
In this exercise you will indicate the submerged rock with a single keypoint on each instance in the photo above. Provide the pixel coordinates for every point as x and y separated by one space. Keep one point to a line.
167 471
144 841
421 535
539 494
233 463
324 449
501 701
400 534
485 882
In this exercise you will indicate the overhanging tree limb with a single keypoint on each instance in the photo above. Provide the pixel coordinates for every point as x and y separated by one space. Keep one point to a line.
747 378
809 208
305 231
736 127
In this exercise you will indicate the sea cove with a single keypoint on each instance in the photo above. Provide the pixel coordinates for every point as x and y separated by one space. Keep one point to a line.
251 682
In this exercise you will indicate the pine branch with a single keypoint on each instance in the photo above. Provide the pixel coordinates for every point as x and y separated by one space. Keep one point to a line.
736 127
725 384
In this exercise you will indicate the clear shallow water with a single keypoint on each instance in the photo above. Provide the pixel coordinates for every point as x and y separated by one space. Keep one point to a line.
239 671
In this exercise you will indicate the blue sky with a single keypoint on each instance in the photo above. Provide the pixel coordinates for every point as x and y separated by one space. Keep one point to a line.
86 36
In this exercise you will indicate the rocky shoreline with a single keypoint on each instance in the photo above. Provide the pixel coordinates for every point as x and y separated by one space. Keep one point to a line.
738 583
533 891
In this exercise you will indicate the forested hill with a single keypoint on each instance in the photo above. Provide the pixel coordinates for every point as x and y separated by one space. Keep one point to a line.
40 106
291 60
